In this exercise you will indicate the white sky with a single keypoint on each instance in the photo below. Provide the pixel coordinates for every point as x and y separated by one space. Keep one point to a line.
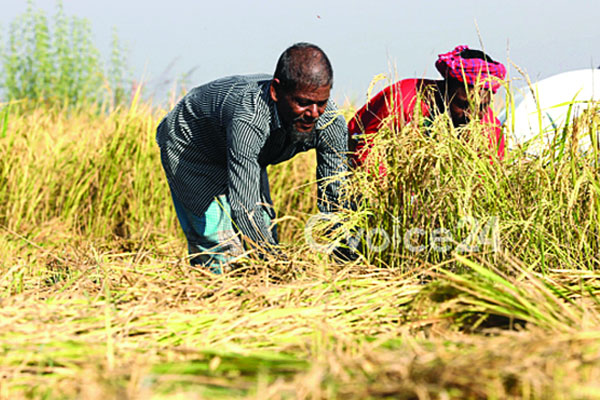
362 38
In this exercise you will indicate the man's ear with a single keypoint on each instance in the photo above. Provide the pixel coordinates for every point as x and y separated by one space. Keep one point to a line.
274 89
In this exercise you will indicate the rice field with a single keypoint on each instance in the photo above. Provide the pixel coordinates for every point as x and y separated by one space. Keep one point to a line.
477 278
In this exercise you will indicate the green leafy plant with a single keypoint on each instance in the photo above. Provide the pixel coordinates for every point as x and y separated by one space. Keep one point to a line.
55 60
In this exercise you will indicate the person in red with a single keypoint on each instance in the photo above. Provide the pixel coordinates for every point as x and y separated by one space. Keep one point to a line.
468 75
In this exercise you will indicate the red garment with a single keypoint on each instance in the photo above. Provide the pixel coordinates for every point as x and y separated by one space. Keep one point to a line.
401 98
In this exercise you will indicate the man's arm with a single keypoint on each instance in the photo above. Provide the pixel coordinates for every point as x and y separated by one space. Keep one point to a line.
244 143
493 127
332 152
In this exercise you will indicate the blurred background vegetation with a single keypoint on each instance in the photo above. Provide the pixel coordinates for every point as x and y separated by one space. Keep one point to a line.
53 59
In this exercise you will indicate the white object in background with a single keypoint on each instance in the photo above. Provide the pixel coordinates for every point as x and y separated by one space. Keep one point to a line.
579 87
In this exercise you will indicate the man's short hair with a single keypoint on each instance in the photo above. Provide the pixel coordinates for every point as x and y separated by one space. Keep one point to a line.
303 64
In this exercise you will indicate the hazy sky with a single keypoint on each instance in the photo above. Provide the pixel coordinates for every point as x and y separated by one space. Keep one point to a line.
362 38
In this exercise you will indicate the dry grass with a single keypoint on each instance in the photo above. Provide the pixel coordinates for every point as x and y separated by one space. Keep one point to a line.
97 299
131 325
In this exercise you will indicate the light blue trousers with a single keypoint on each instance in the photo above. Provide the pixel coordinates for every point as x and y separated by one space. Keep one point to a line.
212 239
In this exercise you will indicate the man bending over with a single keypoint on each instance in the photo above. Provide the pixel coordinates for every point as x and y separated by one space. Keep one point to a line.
469 75
219 139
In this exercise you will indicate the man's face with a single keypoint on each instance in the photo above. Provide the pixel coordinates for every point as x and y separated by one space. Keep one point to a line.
465 104
300 109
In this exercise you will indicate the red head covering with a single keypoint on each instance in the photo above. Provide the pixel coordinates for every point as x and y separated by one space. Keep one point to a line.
471 70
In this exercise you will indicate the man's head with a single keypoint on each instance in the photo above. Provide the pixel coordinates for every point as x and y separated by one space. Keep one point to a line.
465 101
470 77
301 86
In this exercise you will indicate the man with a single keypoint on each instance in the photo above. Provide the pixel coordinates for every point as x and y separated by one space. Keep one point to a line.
219 139
469 76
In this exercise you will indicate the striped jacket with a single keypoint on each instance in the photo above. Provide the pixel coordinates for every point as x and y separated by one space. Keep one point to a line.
220 138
